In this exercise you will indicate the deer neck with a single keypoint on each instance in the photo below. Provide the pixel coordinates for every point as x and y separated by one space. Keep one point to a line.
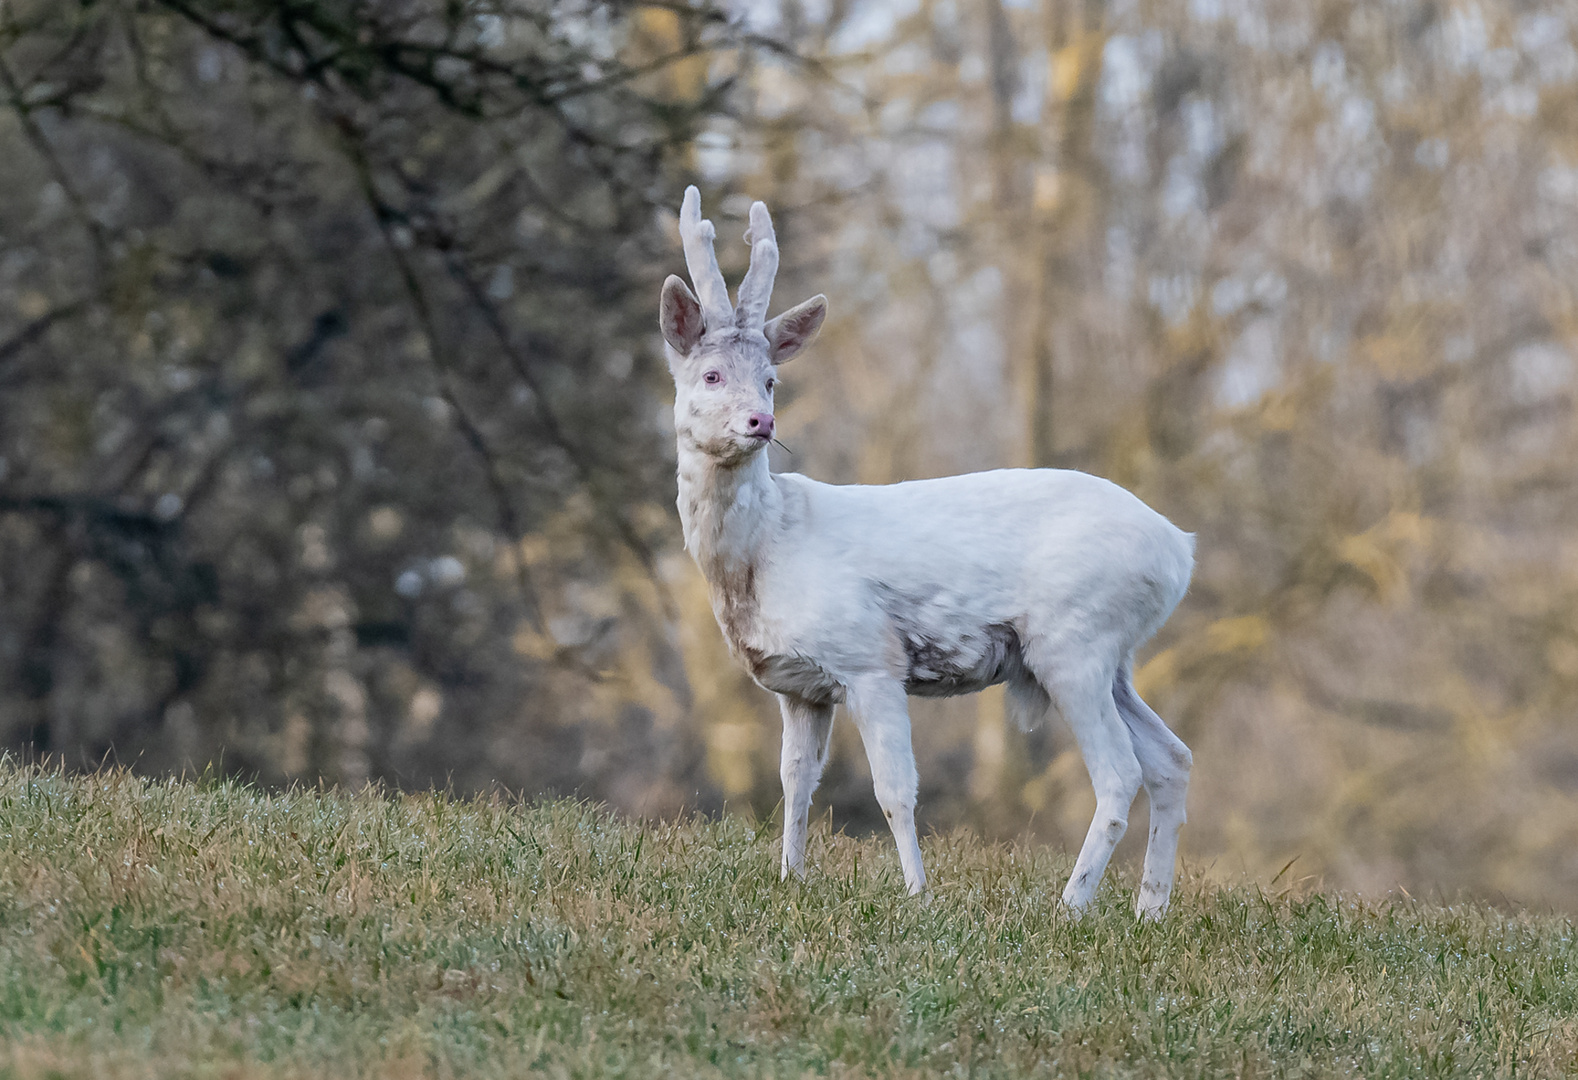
729 512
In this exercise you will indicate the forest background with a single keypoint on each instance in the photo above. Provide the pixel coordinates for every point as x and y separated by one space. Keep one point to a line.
334 427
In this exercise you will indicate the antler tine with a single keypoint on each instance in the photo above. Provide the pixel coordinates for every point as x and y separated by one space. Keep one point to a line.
757 288
702 261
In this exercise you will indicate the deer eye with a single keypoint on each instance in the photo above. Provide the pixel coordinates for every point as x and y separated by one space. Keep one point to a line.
712 378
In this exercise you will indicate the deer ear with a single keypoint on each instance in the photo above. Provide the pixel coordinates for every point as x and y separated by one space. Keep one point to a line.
794 329
679 316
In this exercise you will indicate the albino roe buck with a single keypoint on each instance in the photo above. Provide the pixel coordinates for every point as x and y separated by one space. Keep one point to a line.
1043 579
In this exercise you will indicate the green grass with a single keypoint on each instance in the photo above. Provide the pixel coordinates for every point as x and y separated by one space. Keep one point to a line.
170 929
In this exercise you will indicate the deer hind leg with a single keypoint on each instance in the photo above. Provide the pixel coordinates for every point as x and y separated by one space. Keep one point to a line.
1165 762
808 730
882 714
1083 694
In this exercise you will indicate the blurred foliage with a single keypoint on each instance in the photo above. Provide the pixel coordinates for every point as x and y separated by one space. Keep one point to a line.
325 382
1302 276
332 435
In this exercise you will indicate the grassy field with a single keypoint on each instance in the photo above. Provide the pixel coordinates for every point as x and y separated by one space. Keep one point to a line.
173 929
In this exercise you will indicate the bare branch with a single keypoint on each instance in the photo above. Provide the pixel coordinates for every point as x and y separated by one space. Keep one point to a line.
509 521
35 135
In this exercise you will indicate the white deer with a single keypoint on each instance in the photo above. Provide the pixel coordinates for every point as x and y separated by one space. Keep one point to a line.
1043 579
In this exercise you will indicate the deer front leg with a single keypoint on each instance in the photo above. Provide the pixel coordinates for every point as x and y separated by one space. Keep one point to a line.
881 712
807 736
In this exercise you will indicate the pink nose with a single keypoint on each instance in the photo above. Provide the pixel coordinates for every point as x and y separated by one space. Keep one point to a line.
760 425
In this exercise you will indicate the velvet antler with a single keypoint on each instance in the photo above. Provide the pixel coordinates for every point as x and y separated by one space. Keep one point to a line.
757 288
697 235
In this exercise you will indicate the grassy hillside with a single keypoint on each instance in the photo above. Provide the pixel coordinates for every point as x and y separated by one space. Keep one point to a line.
167 929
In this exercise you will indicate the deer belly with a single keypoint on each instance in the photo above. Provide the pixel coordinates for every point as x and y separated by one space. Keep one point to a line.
944 664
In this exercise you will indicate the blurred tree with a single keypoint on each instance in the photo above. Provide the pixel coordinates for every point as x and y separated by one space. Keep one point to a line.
1300 274
327 378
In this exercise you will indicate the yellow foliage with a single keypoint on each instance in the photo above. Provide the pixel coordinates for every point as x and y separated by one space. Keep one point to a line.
1074 65
1279 411
1224 637
1241 633
1562 656
1158 674
1067 65
1382 551
531 644
731 747
1048 189
660 28
1398 354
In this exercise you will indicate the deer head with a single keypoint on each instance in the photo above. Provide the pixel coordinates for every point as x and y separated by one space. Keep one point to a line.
724 357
